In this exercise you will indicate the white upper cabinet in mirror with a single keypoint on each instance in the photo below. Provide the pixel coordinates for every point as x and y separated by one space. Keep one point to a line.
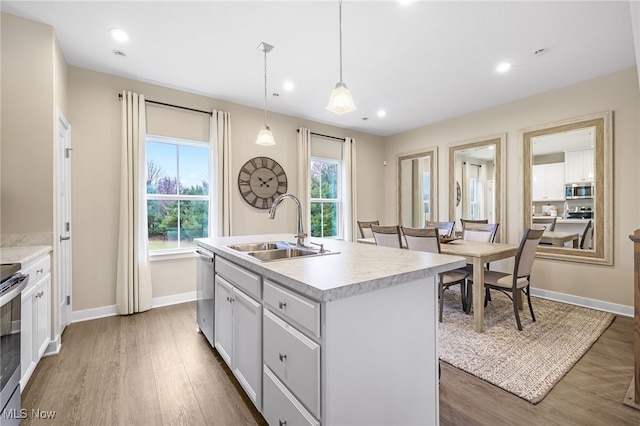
417 188
476 176
567 172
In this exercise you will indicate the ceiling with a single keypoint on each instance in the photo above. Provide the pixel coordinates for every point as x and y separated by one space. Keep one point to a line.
422 63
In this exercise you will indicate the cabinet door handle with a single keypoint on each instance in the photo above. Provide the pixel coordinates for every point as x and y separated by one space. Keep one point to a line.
282 422
282 305
282 356
39 271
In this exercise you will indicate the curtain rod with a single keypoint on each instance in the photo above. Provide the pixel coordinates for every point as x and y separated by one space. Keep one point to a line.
477 165
325 136
172 106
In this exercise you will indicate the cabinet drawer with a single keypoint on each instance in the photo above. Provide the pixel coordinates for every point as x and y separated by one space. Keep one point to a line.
298 309
294 359
280 407
247 281
37 269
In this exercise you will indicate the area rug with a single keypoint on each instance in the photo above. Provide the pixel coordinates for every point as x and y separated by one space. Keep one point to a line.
527 363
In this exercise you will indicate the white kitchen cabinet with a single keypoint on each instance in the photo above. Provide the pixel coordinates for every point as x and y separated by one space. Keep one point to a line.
548 182
238 333
579 166
34 317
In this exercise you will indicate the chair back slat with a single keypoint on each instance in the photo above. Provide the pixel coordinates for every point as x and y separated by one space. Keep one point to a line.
388 236
587 236
422 239
548 222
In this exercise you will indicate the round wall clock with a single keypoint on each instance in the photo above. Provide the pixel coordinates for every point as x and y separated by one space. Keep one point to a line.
260 181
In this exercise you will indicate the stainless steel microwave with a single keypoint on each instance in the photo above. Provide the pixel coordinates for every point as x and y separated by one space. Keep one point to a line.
576 191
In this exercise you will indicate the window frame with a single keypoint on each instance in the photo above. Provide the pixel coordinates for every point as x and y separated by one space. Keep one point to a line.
338 201
179 197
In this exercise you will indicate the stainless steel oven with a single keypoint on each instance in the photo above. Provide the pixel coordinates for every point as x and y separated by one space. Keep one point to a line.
12 282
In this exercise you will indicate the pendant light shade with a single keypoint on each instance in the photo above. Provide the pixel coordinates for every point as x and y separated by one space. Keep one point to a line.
341 100
265 137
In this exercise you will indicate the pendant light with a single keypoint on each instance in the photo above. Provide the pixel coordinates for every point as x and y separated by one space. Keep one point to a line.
341 100
265 137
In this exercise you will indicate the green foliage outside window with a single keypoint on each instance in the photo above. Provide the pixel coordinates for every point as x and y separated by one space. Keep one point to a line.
324 198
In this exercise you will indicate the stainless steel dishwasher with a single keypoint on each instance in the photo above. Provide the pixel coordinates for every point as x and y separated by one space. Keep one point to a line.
205 292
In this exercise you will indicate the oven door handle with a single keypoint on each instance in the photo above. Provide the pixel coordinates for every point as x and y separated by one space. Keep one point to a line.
19 285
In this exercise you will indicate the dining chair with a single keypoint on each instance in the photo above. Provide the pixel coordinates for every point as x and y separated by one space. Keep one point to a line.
365 228
587 236
549 222
428 240
520 278
444 228
388 236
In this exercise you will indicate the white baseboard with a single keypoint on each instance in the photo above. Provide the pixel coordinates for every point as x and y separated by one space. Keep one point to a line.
109 311
599 305
53 348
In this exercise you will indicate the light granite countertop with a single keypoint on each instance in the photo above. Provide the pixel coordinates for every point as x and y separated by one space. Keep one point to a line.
357 268
23 255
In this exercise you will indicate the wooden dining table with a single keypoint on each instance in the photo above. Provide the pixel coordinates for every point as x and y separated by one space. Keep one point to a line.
477 254
558 239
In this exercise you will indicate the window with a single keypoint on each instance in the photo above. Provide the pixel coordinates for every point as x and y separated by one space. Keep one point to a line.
325 197
178 204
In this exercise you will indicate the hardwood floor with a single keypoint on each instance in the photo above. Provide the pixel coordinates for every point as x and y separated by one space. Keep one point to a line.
154 369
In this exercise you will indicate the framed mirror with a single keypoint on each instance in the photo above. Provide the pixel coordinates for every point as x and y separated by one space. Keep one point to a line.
476 182
417 188
568 184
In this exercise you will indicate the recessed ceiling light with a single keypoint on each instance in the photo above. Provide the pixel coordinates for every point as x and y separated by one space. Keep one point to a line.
381 113
405 1
288 86
119 35
503 67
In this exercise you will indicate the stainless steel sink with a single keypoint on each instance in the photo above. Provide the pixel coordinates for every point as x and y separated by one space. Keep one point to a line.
276 250
261 246
281 253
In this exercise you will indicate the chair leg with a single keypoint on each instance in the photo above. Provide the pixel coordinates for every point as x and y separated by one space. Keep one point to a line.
463 294
533 317
469 291
515 311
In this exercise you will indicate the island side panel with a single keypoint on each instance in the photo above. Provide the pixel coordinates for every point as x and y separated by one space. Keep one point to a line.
380 357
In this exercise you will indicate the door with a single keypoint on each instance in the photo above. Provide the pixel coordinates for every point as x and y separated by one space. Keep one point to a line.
63 300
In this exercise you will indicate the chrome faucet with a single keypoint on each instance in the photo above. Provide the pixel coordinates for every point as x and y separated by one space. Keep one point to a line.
272 214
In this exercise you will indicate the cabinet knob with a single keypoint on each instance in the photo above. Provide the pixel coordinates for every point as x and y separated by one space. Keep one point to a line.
282 305
282 422
282 356
39 271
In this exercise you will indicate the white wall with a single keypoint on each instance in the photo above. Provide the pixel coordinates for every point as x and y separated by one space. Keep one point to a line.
618 92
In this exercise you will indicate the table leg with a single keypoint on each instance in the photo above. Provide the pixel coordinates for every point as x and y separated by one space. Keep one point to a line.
575 242
478 293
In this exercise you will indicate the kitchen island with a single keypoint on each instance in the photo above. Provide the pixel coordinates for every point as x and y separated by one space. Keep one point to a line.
343 338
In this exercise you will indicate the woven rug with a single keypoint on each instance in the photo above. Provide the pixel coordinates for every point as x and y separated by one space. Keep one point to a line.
527 363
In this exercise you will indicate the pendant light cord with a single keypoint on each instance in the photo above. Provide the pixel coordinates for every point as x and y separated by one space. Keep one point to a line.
265 86
341 41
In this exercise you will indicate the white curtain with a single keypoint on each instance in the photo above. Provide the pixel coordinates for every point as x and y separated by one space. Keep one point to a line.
349 189
220 160
304 172
133 278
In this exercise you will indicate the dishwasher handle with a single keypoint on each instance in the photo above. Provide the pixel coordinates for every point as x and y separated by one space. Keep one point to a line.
205 255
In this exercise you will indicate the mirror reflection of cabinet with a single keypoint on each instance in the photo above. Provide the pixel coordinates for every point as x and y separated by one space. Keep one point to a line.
548 182
417 196
584 146
476 167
